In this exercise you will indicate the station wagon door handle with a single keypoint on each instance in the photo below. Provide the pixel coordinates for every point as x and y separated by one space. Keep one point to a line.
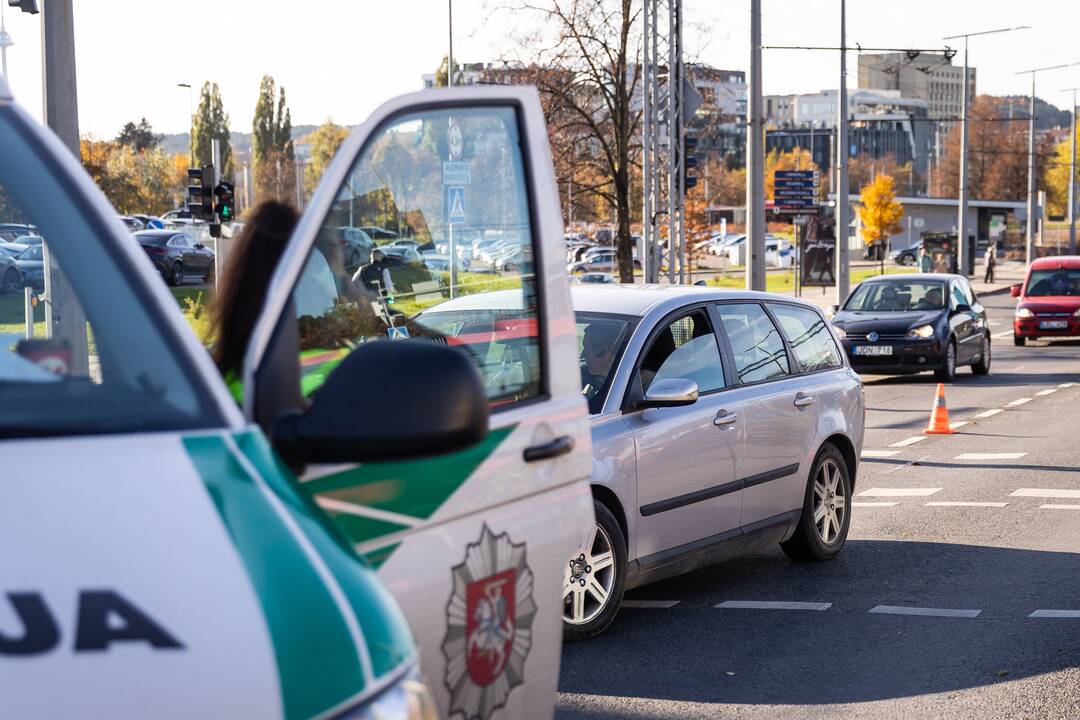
724 418
804 400
555 448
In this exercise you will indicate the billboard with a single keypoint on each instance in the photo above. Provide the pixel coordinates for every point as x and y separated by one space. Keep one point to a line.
817 256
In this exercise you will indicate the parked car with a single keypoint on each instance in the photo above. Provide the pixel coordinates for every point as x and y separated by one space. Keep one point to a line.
379 233
31 265
1049 300
912 323
439 262
596 278
10 231
133 224
177 256
722 422
356 246
176 214
603 260
905 256
11 281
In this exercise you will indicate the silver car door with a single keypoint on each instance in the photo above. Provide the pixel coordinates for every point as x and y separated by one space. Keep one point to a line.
687 488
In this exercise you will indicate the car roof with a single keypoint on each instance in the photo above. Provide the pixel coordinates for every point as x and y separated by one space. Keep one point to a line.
905 277
1069 262
160 233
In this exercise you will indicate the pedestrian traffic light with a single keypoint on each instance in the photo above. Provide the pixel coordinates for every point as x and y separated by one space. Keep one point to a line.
690 160
224 202
200 197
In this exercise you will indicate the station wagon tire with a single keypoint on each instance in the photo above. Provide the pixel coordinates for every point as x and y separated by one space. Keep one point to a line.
176 274
947 372
584 613
826 513
1019 340
11 283
982 367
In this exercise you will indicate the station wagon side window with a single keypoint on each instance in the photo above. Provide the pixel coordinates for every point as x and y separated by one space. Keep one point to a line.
685 349
808 336
453 180
755 343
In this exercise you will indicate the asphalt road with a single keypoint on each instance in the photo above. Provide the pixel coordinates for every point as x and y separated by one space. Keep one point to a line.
986 578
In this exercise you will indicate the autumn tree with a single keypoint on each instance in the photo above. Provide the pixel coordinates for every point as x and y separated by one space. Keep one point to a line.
582 55
863 168
324 143
880 213
271 144
442 75
147 181
794 159
139 137
1057 178
212 123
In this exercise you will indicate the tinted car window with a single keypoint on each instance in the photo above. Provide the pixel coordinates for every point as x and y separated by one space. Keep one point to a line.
808 336
755 343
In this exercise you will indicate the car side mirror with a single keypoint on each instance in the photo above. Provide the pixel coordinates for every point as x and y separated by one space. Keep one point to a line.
199 246
962 308
675 392
833 309
1015 290
437 405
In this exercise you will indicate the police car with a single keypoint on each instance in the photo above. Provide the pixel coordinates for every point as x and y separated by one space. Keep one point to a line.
171 553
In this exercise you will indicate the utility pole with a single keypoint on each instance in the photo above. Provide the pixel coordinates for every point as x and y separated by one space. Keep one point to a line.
963 262
755 162
65 317
450 55
191 123
1072 179
843 263
1033 194
5 43
648 71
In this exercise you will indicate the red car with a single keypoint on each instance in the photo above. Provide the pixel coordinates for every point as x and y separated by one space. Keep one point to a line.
1049 305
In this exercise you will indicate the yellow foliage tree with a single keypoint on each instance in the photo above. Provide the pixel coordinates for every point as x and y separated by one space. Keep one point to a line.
879 213
795 159
1057 179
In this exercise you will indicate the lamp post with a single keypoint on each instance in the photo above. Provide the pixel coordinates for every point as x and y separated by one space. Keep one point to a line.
963 262
450 55
191 121
1072 177
1033 198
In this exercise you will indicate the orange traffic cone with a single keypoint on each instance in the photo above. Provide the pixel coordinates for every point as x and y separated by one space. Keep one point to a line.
939 416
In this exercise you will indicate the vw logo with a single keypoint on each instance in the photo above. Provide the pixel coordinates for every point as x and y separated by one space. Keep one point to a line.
872 336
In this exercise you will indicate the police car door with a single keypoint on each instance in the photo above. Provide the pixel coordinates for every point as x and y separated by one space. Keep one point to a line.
472 544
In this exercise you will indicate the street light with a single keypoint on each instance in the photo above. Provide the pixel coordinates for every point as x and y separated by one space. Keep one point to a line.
191 120
962 260
1072 177
1032 196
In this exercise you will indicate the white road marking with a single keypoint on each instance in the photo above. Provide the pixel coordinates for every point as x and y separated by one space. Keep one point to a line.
899 492
657 604
930 612
943 503
909 441
855 503
1001 335
992 323
1055 614
991 456
1054 507
1044 393
1046 492
1066 385
1018 403
958 425
772 605
989 413
879 453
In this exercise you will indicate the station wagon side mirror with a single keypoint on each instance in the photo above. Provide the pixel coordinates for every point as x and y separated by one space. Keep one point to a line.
358 415
1015 290
675 392
833 309
962 308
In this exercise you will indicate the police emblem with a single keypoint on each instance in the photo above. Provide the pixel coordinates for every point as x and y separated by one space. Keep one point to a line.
489 626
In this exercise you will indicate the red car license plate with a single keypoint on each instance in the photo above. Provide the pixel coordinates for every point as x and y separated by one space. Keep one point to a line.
1053 324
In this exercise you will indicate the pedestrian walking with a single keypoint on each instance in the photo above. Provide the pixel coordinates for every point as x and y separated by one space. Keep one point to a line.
924 260
991 262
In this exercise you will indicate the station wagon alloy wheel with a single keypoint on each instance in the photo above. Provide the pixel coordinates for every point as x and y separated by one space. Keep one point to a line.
830 502
589 579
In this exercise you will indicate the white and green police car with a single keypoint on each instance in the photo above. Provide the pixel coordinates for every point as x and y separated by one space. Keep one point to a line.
170 553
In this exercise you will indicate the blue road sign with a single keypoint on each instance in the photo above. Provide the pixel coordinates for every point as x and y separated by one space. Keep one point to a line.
398 333
455 204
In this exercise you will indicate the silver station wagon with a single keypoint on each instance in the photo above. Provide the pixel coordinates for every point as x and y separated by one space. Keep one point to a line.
722 422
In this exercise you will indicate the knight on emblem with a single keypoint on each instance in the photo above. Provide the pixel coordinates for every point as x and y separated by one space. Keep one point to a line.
489 626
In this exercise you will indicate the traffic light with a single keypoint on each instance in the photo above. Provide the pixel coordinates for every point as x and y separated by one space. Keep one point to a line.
200 200
690 160
224 202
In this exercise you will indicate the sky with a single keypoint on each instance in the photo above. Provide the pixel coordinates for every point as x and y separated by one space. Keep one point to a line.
340 59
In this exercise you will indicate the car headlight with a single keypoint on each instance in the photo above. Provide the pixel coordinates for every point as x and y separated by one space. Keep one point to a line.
409 699
839 332
923 331
1023 312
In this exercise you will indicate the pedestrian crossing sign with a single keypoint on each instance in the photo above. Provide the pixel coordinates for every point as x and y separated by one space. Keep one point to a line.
398 333
455 204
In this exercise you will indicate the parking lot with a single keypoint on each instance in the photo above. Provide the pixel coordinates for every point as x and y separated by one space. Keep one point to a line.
956 596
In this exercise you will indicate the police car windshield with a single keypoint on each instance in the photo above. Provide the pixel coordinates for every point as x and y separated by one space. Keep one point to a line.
105 362
897 296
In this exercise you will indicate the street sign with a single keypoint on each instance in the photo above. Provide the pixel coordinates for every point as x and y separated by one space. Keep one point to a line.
456 173
398 333
454 140
795 191
455 204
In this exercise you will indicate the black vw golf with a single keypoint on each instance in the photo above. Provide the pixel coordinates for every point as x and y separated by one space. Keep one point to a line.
911 323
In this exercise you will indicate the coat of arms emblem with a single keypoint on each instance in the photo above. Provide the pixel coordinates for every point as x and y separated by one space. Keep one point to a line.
489 626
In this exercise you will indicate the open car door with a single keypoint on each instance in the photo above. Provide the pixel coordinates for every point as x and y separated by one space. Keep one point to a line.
473 543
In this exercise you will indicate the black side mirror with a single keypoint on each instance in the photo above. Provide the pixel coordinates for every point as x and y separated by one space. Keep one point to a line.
389 400
962 308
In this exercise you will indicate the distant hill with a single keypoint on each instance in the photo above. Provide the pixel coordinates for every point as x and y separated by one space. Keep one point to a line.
1047 116
241 142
